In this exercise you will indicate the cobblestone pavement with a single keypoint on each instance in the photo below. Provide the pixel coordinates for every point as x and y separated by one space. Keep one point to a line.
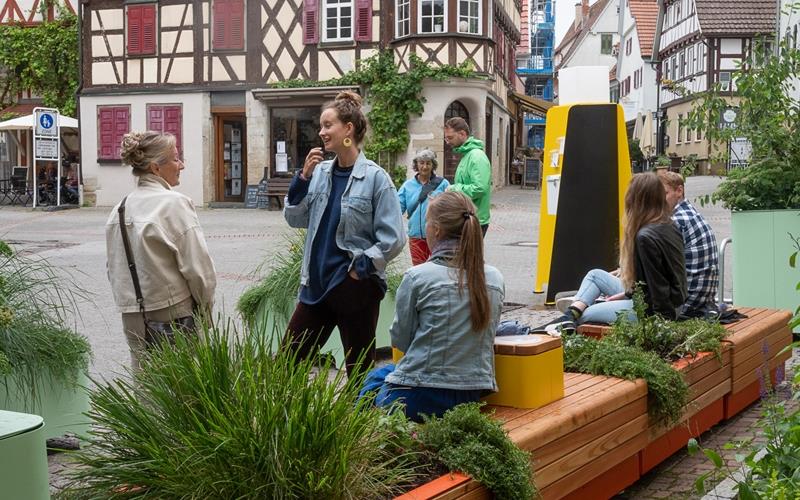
240 240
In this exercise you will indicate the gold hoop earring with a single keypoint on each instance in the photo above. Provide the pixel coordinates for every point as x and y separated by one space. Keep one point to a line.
347 142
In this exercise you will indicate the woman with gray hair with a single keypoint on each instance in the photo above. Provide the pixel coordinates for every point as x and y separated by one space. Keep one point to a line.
414 195
173 273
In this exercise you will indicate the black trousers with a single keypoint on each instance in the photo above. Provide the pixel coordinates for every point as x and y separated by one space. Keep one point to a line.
353 307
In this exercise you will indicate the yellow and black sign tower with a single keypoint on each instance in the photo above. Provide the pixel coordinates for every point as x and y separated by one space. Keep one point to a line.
586 169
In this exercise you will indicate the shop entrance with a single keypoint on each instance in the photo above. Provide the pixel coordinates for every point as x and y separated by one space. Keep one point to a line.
294 133
451 158
231 157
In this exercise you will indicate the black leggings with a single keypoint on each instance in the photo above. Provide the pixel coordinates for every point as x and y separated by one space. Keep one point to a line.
353 307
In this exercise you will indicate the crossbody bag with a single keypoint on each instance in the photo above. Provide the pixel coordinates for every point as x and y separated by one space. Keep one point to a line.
155 332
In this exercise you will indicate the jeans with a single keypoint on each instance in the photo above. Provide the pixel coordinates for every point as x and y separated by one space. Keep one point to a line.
596 283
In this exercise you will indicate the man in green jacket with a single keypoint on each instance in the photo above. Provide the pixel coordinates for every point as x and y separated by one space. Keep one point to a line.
474 172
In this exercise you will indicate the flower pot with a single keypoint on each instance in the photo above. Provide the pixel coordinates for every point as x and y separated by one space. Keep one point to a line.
60 404
761 249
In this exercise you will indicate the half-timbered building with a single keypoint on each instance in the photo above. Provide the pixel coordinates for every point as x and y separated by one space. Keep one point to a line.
699 44
206 71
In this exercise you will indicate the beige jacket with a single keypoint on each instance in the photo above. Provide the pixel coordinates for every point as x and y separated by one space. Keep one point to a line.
168 246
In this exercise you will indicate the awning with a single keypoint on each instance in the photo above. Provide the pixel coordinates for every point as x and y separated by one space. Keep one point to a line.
26 123
294 93
647 143
533 104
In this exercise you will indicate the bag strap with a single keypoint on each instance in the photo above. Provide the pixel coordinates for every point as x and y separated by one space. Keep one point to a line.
428 188
129 255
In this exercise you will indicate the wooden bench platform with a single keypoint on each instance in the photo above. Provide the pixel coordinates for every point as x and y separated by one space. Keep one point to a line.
598 439
277 188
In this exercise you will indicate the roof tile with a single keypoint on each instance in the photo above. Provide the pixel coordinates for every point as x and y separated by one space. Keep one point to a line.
733 17
645 12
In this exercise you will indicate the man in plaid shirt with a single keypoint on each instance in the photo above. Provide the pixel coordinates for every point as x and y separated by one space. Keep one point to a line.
700 248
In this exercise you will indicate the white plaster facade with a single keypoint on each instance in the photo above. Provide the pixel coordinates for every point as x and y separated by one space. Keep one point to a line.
587 52
111 181
643 98
790 32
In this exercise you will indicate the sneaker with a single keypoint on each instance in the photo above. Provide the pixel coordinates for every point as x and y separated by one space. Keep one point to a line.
563 303
556 327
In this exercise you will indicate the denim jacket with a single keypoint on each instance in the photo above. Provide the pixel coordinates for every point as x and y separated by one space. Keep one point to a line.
371 222
432 326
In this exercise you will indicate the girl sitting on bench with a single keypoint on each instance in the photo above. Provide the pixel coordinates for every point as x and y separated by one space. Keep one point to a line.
651 256
446 315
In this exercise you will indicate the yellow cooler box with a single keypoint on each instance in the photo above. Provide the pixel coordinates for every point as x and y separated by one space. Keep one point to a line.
529 370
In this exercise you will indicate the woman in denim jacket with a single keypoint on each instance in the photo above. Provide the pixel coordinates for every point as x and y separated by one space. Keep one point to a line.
355 227
446 317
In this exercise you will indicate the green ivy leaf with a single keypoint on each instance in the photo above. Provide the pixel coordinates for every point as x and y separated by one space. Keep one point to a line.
792 262
714 457
700 483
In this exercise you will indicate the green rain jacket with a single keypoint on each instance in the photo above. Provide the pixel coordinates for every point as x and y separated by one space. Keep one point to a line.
474 176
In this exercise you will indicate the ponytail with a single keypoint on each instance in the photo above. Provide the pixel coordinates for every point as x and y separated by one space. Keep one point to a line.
455 215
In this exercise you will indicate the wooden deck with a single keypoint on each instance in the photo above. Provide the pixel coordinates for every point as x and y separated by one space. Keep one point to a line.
598 439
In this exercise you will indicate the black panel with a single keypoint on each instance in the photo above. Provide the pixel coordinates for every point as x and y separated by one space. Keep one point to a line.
587 224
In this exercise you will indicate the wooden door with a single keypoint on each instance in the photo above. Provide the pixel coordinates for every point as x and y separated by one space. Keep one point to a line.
451 158
231 157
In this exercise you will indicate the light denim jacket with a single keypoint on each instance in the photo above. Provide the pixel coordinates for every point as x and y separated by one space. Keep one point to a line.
432 326
371 222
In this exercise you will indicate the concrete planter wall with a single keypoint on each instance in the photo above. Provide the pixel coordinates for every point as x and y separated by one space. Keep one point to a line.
59 404
761 249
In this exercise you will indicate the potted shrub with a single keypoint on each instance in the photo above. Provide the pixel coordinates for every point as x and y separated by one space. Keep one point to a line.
764 196
268 306
43 363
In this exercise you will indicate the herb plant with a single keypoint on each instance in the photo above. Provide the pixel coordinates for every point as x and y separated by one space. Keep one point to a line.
469 441
226 417
36 346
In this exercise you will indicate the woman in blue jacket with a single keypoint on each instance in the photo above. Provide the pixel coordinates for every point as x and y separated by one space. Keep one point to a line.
414 195
446 317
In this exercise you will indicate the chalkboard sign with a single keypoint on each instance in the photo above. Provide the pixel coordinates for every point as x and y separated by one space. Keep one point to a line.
251 196
531 175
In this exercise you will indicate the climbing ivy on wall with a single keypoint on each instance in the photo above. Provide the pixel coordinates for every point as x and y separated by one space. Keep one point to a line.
42 58
393 96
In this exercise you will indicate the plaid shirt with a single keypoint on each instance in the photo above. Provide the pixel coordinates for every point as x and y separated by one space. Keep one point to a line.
700 251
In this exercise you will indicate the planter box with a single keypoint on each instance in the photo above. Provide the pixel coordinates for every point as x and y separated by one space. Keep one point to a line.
23 460
761 249
60 406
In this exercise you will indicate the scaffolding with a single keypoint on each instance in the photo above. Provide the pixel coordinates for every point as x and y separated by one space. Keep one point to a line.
537 71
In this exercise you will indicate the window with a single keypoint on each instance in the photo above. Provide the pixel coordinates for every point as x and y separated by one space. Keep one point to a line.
674 66
725 80
701 57
113 122
337 20
228 23
606 40
469 16
666 69
167 118
678 15
141 29
403 16
692 60
628 46
681 64
698 135
431 16
680 130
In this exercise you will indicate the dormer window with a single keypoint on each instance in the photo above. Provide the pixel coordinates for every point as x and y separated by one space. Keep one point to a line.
432 16
469 17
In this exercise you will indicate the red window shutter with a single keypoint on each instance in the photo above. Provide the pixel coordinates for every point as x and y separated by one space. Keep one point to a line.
310 21
121 127
173 125
236 25
363 21
105 130
148 29
220 20
135 29
112 125
167 119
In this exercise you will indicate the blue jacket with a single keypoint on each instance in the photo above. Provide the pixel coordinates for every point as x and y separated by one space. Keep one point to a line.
409 195
432 326
371 222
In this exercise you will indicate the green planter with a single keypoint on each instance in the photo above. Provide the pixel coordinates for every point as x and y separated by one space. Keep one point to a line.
761 249
23 459
60 405
265 323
